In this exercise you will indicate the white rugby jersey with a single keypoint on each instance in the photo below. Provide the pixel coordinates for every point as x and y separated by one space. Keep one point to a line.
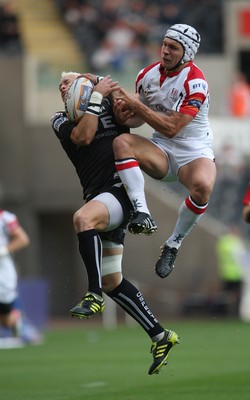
185 92
8 275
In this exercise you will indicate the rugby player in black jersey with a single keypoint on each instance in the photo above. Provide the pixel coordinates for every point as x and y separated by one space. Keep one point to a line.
100 224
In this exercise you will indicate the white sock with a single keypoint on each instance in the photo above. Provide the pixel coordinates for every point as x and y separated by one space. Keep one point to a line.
188 216
133 180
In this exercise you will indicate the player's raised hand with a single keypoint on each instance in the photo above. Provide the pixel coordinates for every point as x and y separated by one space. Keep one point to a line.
107 86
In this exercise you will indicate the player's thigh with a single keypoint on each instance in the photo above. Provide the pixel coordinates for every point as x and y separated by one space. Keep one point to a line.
151 158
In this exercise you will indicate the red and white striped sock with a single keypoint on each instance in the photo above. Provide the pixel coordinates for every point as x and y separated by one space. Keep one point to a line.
188 216
133 181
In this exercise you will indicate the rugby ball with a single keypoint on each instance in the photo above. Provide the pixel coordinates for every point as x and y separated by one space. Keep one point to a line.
77 98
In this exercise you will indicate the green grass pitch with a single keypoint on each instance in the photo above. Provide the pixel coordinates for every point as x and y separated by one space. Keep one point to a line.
212 362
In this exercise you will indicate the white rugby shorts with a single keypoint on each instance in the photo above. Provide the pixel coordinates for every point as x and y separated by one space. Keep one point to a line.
181 152
8 280
114 207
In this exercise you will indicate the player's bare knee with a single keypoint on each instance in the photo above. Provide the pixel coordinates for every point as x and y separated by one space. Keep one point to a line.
80 221
201 191
121 144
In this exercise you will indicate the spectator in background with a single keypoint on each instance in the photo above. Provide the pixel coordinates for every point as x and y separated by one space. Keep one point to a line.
83 19
246 205
231 169
239 97
124 41
12 239
230 162
115 47
231 251
9 29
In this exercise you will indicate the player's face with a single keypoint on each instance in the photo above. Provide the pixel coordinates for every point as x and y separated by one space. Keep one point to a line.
171 53
65 84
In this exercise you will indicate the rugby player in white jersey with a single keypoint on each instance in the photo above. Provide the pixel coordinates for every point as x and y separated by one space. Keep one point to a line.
173 98
12 239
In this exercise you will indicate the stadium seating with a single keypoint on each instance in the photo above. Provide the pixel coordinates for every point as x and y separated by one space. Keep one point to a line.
44 35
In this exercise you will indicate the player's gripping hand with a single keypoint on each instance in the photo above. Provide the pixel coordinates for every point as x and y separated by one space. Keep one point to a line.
122 112
106 86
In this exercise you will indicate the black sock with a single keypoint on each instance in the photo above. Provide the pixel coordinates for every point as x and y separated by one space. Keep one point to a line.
90 248
131 300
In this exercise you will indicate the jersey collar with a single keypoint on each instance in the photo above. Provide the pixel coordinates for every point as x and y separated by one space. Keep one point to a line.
164 75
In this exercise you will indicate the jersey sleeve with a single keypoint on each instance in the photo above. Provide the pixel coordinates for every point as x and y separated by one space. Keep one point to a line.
61 125
194 94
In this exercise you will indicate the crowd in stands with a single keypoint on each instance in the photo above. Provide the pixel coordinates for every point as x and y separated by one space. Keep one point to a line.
113 33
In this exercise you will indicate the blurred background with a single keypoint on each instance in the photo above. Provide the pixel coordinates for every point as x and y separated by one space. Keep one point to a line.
38 40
